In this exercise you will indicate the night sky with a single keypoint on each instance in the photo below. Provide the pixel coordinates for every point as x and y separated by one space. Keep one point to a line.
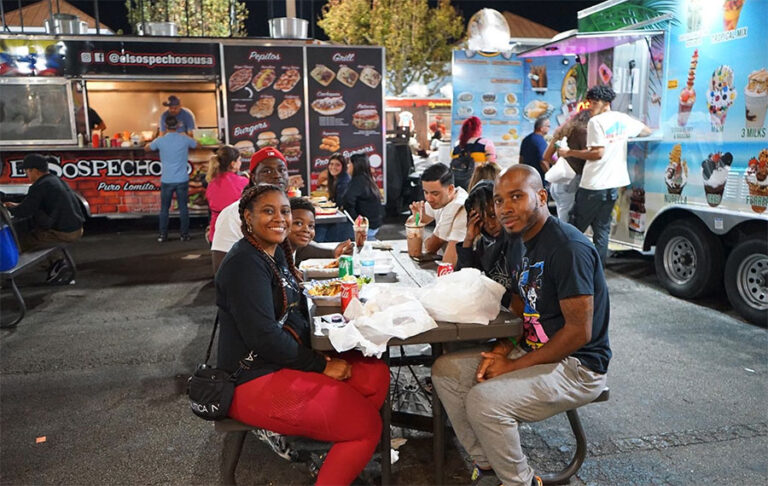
112 12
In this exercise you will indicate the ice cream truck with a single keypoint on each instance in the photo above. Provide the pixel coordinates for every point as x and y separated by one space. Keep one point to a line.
695 71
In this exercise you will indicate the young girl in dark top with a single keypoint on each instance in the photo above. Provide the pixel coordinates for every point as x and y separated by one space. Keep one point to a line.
289 388
363 196
486 247
338 178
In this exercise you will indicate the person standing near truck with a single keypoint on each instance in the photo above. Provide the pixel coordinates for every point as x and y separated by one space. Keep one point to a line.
184 117
174 157
605 170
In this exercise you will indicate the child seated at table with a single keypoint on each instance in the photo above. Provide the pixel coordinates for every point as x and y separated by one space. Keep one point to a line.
486 247
302 232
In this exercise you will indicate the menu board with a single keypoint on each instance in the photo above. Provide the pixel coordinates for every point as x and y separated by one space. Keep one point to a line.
265 101
490 87
345 101
550 89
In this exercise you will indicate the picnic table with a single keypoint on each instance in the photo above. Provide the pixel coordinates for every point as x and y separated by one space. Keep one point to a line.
409 273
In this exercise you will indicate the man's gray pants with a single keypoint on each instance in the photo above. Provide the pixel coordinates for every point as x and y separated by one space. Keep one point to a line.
485 415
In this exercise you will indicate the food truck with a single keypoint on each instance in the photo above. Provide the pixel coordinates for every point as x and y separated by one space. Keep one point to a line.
290 94
696 72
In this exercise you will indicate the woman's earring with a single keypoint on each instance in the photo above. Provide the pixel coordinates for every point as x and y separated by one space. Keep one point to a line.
249 228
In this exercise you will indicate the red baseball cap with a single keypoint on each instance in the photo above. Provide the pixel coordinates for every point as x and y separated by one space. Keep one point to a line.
265 153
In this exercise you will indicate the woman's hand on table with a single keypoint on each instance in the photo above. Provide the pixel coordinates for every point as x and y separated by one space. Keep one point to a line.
343 248
337 368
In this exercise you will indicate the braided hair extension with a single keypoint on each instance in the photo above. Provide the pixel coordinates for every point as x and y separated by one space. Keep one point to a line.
250 195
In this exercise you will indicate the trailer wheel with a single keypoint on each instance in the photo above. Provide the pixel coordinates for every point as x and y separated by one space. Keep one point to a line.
688 260
746 280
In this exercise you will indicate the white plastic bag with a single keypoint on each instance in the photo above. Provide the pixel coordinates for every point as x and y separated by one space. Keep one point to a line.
560 173
466 296
388 312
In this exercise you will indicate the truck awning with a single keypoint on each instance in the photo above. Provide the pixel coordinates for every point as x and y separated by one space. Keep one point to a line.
584 43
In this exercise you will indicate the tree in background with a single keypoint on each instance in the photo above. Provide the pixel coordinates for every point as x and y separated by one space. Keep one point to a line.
209 18
419 40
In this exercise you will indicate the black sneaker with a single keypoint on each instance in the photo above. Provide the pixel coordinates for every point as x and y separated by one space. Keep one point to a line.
54 271
185 237
162 238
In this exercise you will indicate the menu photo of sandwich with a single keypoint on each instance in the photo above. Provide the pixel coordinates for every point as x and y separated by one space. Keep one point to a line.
263 79
332 105
240 79
370 77
347 76
263 107
287 80
290 142
289 107
322 74
267 139
366 119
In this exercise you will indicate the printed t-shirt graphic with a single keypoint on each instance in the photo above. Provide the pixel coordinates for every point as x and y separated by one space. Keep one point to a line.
529 286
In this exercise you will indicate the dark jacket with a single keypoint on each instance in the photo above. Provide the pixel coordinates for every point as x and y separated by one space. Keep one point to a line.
494 256
342 184
360 199
250 305
52 204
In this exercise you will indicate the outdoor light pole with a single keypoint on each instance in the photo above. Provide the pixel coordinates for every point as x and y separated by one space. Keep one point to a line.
290 8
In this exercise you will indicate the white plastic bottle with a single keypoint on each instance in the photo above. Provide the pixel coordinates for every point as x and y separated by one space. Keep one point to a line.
367 263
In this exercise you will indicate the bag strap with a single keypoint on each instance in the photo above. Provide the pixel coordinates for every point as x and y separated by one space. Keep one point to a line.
213 336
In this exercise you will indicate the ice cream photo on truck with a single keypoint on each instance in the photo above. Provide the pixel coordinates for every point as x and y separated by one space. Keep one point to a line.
696 73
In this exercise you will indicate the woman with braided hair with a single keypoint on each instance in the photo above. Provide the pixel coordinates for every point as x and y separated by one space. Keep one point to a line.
288 388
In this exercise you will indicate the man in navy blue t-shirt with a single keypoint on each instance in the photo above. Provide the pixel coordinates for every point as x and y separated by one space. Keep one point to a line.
560 361
533 146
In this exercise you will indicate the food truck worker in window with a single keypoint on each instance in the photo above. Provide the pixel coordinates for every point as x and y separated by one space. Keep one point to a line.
184 117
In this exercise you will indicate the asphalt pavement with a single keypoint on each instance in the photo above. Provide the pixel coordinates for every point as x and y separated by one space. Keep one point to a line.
92 381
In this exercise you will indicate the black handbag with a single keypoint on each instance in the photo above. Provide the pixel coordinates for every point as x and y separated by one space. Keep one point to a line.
210 390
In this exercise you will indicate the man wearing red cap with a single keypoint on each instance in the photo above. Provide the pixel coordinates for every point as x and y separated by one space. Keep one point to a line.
267 167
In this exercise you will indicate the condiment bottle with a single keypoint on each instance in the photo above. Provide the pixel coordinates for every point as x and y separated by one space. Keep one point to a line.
96 140
80 140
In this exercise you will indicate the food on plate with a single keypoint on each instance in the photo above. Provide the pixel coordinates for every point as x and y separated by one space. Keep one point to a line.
263 79
506 137
366 119
290 142
465 111
466 97
489 97
489 111
333 264
347 76
289 107
370 77
322 74
331 143
511 111
538 77
246 149
333 105
326 289
240 79
264 107
266 139
287 80
535 109
511 98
